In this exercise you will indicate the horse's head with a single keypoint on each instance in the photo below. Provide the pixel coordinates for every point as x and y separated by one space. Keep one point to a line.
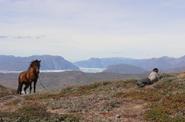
36 64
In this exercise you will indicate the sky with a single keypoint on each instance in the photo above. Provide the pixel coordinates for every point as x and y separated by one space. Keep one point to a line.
80 29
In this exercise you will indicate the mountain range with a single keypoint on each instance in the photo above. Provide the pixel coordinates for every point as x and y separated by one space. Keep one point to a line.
120 65
48 62
165 64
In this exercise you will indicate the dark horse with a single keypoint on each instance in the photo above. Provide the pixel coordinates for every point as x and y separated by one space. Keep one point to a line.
27 77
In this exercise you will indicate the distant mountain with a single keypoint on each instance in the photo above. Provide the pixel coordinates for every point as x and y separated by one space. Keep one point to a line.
125 69
12 63
101 62
166 64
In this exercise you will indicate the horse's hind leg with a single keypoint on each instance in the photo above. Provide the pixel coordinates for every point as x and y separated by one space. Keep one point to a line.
25 88
19 89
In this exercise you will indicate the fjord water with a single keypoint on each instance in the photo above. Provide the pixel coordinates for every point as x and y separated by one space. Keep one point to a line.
86 70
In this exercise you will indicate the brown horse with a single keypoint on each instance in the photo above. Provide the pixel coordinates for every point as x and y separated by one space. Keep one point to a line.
27 77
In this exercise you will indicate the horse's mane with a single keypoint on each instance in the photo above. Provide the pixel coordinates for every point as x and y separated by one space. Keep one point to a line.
32 63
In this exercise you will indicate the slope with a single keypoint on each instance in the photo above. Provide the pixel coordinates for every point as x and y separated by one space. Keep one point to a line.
115 101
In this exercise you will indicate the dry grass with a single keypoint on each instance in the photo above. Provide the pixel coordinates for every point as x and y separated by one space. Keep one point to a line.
5 91
106 102
171 106
35 112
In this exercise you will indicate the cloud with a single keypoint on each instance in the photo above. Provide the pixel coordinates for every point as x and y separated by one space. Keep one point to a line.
28 37
22 37
92 27
178 4
3 37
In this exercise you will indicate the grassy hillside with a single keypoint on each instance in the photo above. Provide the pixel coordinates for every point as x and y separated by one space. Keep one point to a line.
5 91
114 101
58 80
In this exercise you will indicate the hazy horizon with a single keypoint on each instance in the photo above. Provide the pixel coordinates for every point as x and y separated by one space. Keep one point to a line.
81 29
92 57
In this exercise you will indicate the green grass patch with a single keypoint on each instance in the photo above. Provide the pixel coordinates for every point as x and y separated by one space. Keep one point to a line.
35 113
169 109
147 95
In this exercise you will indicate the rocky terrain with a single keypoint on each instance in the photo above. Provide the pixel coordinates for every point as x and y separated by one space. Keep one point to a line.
110 101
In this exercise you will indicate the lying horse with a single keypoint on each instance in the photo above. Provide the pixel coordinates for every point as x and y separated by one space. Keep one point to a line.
27 77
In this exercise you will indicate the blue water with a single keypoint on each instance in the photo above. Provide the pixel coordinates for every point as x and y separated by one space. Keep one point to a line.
86 70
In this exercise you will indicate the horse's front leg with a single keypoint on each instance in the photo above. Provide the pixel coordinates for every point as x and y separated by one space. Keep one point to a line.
30 87
34 85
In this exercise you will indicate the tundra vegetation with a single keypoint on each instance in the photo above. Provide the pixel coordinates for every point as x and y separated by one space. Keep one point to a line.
103 101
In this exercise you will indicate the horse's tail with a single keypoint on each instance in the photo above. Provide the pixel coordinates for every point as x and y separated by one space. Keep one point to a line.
19 86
